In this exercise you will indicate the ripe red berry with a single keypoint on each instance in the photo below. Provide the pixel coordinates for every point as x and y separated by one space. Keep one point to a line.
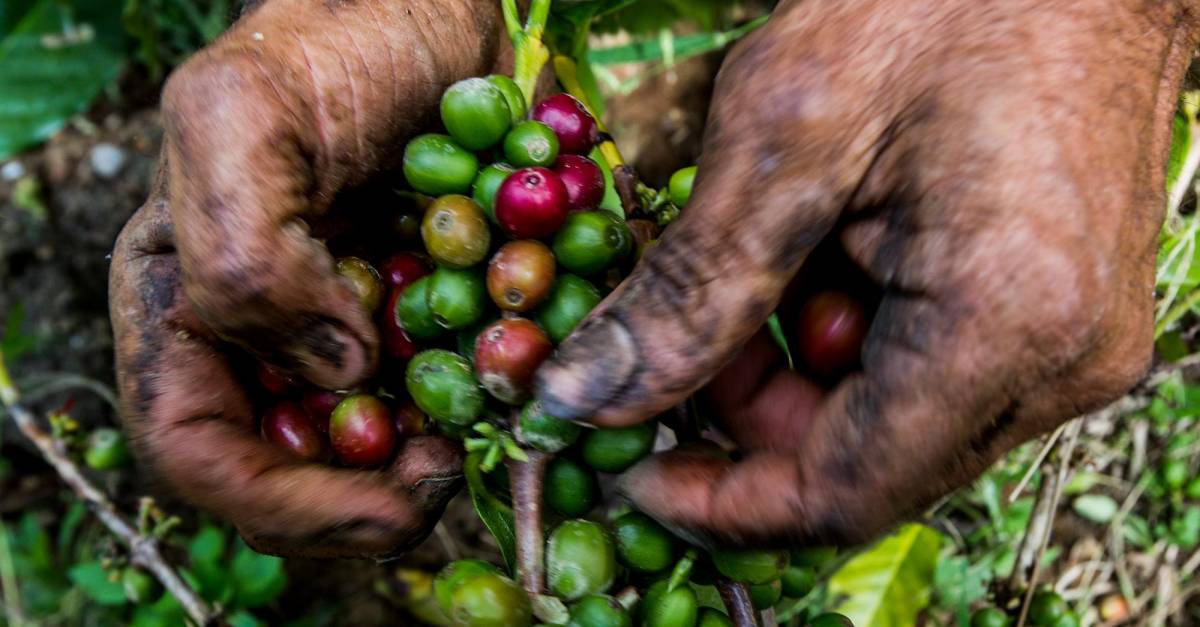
575 127
830 332
363 431
410 420
402 269
583 179
396 341
275 381
507 354
290 428
531 203
319 404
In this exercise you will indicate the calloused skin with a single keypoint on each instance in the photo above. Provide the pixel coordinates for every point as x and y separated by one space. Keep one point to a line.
995 165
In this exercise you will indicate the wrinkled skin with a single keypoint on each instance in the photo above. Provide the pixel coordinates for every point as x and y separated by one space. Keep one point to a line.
297 102
997 167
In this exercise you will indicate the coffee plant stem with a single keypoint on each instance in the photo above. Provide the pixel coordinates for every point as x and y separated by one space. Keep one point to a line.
527 478
143 548
530 53
737 602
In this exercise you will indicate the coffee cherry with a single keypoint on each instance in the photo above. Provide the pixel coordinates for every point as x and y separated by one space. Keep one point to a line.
643 544
615 450
454 575
798 581
436 165
1174 474
530 144
570 489
569 302
677 608
407 226
575 127
466 338
319 405
507 354
410 420
139 586
362 431
713 618
592 241
274 380
830 333
815 557
1068 620
441 384
1192 489
490 601
396 341
512 95
751 566
365 279
989 617
543 431
289 427
484 189
476 113
583 179
106 449
455 232
402 269
766 596
1047 608
599 610
579 560
830 619
531 203
520 275
1113 608
457 298
679 188
412 313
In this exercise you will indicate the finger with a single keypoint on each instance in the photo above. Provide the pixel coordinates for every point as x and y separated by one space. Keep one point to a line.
297 102
762 202
191 422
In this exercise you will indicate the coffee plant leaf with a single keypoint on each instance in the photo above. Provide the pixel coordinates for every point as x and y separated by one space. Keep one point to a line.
496 515
889 584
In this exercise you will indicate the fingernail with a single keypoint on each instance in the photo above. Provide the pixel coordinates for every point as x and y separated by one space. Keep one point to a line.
329 356
589 371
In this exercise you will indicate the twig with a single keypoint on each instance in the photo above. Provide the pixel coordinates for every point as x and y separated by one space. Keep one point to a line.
143 549
1037 462
737 603
526 477
448 544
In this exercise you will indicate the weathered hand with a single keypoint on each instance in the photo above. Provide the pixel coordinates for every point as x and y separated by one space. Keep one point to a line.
296 103
996 167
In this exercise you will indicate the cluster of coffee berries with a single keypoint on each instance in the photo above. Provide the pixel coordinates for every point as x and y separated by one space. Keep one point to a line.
1046 609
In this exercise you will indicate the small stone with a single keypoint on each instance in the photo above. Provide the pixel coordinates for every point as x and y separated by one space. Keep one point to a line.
107 159
12 170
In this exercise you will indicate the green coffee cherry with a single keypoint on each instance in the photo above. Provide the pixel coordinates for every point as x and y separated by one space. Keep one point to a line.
599 610
592 241
677 608
570 300
454 575
580 560
543 431
766 595
830 619
1174 473
412 309
798 581
436 165
476 113
614 450
106 449
457 298
1047 608
531 144
483 190
140 587
1068 620
643 544
679 188
490 601
569 488
989 617
713 618
751 566
512 95
443 386
815 557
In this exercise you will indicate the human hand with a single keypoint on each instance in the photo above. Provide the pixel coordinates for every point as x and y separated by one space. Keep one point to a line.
996 168
264 129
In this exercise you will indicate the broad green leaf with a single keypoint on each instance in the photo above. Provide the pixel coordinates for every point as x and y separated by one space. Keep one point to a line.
496 515
258 578
890 583
207 550
1185 528
680 47
95 583
51 67
1098 508
207 546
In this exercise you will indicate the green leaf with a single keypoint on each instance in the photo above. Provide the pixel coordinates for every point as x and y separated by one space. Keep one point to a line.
207 546
207 549
94 581
69 525
51 67
242 618
780 339
890 583
1098 508
257 578
165 612
677 47
496 515
960 583
1181 140
1185 529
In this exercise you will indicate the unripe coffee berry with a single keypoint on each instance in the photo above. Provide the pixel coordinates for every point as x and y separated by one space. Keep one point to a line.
750 566
512 95
457 298
592 241
520 275
545 432
442 385
484 189
454 575
455 232
412 313
580 559
679 188
643 544
106 449
615 450
569 302
365 279
677 608
436 165
569 488
476 113
531 144
599 610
